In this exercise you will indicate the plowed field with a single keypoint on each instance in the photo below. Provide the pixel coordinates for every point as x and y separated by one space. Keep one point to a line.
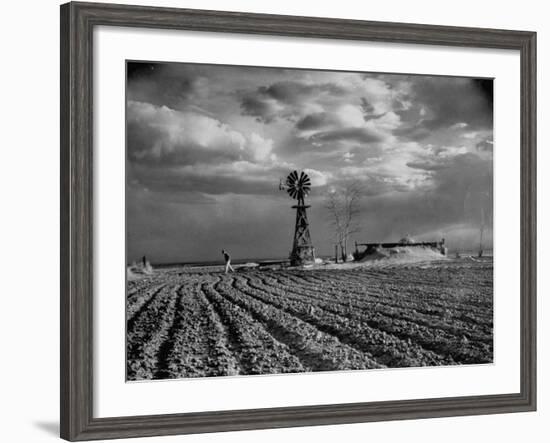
200 323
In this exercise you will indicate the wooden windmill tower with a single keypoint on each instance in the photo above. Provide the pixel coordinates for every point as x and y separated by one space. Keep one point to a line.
298 187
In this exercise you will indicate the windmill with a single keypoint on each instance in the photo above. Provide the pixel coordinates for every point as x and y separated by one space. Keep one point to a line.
297 187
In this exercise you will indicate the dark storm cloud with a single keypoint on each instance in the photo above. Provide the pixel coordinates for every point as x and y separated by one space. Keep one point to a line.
452 103
426 166
161 84
367 107
293 92
486 88
485 145
218 182
283 99
359 135
195 232
264 111
287 91
466 173
441 102
369 110
416 132
315 121
459 193
140 70
371 184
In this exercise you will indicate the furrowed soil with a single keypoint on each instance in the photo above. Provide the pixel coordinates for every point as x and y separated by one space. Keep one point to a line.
185 322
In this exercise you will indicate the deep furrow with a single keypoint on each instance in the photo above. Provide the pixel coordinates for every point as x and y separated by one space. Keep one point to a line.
357 310
386 348
257 351
148 333
197 345
166 347
364 301
220 354
360 294
319 350
409 275
362 278
441 347
401 280
133 314
309 361
229 329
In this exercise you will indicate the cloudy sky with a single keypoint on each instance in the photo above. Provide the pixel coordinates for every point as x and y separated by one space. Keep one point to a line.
207 146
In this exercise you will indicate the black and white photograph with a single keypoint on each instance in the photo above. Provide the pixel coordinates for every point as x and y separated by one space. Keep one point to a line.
283 220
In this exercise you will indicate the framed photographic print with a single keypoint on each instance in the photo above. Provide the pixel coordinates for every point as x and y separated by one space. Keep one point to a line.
273 221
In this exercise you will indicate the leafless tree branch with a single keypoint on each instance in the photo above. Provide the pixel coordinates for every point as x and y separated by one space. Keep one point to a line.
343 205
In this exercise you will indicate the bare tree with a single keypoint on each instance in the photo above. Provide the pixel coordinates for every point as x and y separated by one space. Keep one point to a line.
343 205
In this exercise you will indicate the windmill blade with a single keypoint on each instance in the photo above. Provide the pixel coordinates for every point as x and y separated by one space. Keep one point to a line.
293 176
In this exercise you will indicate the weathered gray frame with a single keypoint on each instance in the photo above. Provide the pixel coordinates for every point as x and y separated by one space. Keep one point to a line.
77 24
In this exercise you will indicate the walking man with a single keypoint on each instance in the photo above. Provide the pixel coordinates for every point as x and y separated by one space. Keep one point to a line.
227 259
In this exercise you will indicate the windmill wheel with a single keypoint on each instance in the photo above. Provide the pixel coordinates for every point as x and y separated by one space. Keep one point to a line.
298 186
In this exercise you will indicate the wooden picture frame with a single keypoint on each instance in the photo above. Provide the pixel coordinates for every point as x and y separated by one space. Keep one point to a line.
77 23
